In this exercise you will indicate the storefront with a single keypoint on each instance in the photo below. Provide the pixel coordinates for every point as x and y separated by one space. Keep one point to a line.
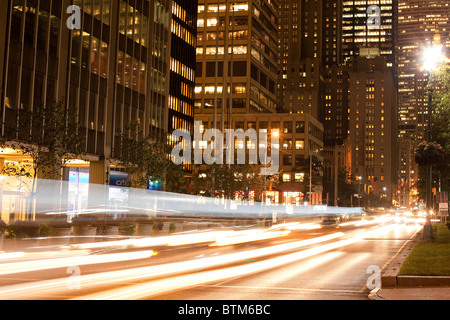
293 198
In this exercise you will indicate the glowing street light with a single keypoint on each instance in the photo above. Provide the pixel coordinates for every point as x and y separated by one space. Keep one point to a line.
433 56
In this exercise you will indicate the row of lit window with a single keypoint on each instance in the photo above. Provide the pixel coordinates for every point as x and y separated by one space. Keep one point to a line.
181 69
180 106
299 144
298 177
131 72
239 88
133 24
94 50
238 50
99 9
236 7
182 33
178 11
212 36
178 123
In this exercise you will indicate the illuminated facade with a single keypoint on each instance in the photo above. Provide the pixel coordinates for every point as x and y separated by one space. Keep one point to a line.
300 137
182 65
356 34
119 68
309 43
237 47
372 104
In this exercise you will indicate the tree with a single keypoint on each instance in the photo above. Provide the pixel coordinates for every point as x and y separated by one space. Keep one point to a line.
50 135
441 124
316 170
228 180
146 160
346 189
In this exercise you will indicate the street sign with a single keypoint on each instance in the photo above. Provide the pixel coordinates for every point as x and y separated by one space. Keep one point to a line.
442 199
443 209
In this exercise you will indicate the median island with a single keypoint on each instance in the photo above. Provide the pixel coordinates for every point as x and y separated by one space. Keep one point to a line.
430 258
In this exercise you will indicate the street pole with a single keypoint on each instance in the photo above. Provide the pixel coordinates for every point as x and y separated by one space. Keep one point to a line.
215 101
429 177
336 177
359 192
310 179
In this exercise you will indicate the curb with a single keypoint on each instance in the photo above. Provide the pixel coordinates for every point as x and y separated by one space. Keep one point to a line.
373 295
389 278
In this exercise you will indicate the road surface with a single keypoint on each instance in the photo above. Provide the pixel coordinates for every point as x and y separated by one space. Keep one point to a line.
298 261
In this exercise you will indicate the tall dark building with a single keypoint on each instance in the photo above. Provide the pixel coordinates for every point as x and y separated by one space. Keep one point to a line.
373 125
182 65
360 33
124 64
309 42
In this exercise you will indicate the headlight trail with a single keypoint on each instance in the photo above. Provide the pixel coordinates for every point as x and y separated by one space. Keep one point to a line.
173 240
45 264
157 287
49 287
257 236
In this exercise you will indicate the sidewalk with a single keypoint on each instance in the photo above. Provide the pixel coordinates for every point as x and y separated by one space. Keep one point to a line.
415 293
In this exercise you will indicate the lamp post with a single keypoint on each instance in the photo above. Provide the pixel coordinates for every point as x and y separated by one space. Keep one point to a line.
359 191
433 56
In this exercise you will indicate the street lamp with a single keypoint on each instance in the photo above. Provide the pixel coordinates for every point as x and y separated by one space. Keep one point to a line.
433 56
359 191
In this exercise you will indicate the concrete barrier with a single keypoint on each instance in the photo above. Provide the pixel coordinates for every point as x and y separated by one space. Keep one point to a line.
144 229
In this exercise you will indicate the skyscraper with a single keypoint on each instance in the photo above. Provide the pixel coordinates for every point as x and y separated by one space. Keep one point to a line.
372 104
237 53
309 42
182 65
112 71
358 33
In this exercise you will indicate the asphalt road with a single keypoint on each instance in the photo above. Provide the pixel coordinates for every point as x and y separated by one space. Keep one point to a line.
295 262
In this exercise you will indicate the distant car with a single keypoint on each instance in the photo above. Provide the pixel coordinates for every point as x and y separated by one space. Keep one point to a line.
330 222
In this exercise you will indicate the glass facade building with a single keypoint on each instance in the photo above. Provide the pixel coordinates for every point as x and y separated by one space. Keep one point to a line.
115 70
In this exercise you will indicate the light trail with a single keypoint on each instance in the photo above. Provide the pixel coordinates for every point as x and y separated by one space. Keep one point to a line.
50 287
37 265
157 287
256 236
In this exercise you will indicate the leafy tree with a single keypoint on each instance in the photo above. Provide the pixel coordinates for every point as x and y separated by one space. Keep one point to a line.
346 189
229 180
440 127
316 170
50 136
146 159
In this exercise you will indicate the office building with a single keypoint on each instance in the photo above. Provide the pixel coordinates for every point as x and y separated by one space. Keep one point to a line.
373 109
182 65
237 54
369 25
300 143
309 43
119 67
